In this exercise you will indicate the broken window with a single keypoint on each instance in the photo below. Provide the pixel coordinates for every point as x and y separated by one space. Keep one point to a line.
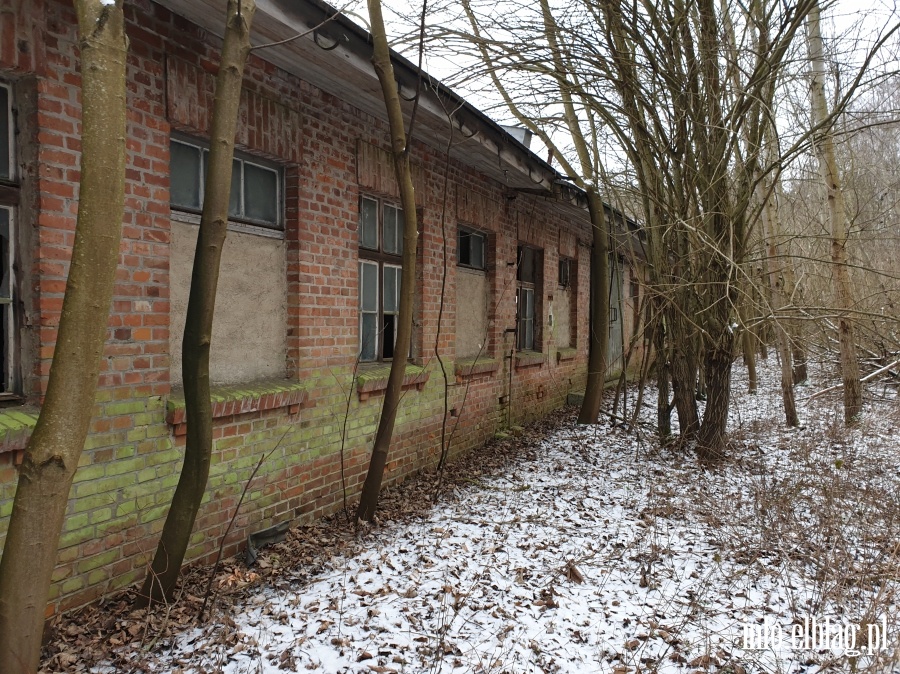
380 267
470 248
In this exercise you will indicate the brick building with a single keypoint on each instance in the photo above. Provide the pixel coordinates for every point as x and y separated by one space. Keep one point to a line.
307 296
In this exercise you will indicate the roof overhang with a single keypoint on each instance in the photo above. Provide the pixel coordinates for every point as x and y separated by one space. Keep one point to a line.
335 55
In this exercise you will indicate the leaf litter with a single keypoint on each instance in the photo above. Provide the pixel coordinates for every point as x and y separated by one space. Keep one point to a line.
568 548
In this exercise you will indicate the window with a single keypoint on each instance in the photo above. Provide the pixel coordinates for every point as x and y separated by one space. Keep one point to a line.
380 266
9 196
527 276
7 158
565 272
470 248
255 184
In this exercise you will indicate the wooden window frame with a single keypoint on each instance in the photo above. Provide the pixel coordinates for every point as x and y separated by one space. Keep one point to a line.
10 188
472 232
244 159
524 288
382 259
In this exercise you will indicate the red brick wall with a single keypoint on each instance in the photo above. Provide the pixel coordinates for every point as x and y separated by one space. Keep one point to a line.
132 457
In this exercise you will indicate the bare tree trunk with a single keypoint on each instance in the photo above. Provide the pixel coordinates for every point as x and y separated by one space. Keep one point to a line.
599 334
684 376
663 410
381 59
748 347
711 437
776 279
828 167
51 458
173 543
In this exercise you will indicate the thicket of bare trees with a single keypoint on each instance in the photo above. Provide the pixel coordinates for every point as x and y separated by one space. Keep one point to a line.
686 108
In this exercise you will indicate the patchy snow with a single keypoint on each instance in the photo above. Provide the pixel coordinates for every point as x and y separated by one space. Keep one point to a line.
601 553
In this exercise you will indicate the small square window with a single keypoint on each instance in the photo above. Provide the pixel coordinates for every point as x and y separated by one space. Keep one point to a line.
470 248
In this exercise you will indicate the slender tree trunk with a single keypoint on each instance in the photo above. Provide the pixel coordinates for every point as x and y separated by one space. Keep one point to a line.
838 215
748 347
599 334
776 279
663 409
381 59
173 543
51 457
684 377
711 436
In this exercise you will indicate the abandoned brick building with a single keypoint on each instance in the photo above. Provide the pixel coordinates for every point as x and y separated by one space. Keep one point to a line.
309 281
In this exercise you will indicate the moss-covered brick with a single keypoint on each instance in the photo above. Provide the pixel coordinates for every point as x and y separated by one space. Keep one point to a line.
76 521
98 576
122 466
69 538
72 585
151 514
164 456
136 434
157 431
104 440
101 515
126 407
88 473
86 503
101 486
146 475
98 560
126 579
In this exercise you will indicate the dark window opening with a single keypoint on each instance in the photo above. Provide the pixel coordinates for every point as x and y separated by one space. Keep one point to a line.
470 248
565 272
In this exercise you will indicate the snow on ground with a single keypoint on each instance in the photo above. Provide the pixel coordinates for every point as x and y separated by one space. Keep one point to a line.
601 553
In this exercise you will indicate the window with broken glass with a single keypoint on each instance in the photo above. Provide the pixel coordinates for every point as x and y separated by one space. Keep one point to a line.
380 266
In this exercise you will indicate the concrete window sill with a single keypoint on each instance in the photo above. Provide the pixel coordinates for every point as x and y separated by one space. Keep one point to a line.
467 368
241 399
372 378
530 359
565 354
16 424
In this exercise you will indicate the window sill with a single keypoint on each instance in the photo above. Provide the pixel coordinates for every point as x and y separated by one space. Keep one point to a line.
235 399
530 359
233 226
467 368
16 425
565 354
372 378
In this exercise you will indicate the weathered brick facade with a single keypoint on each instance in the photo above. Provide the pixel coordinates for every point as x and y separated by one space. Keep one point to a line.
322 413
